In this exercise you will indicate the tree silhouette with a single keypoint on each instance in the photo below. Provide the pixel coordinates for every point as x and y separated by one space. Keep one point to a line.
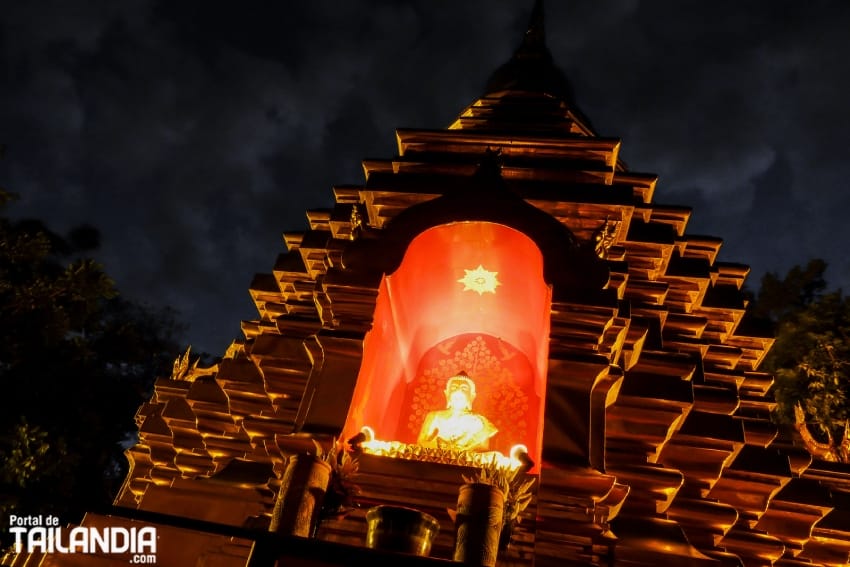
811 356
76 361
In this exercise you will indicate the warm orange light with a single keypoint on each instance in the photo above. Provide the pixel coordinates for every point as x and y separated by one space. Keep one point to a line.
427 328
447 456
480 280
517 451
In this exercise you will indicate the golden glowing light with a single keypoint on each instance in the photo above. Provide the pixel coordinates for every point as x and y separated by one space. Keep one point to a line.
480 280
416 452
457 426
518 450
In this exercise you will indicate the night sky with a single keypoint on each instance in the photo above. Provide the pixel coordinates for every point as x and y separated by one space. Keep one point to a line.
193 134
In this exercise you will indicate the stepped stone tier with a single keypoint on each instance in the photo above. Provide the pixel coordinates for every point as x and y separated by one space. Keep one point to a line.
515 246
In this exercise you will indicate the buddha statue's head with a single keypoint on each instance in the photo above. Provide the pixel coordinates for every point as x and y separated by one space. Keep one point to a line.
460 392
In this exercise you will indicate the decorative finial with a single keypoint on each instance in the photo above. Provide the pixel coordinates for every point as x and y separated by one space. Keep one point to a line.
489 166
535 36
491 160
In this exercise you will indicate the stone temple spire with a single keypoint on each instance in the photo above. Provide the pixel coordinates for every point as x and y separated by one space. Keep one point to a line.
535 36
531 69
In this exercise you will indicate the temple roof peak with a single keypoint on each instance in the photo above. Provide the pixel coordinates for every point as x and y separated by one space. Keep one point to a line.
531 68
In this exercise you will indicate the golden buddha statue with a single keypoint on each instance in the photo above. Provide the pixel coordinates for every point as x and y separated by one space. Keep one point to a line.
457 426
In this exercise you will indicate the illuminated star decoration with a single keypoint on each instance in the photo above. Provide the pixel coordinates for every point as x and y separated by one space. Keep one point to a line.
480 280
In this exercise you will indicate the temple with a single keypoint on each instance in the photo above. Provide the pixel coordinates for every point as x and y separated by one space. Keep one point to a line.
501 304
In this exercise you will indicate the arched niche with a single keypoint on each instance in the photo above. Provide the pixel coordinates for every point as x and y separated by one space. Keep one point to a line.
462 290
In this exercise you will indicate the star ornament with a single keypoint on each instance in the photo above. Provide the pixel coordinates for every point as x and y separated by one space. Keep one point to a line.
480 280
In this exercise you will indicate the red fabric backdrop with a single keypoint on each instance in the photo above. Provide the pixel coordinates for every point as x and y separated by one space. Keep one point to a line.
503 380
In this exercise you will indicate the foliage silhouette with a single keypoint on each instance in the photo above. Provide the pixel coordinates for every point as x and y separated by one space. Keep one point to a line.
76 362
811 356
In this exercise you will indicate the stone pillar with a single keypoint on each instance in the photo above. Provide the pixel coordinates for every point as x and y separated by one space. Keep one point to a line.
302 490
480 513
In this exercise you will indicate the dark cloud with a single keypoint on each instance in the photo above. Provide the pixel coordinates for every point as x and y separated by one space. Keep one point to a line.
193 134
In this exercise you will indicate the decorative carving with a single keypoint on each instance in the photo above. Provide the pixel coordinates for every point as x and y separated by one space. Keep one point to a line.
356 221
491 161
342 488
604 237
440 455
836 452
234 350
480 280
188 371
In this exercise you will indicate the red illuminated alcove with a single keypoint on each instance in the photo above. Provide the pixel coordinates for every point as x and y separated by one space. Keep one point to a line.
428 325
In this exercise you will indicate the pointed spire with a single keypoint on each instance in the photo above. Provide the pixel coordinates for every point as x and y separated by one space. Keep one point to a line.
535 36
531 68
